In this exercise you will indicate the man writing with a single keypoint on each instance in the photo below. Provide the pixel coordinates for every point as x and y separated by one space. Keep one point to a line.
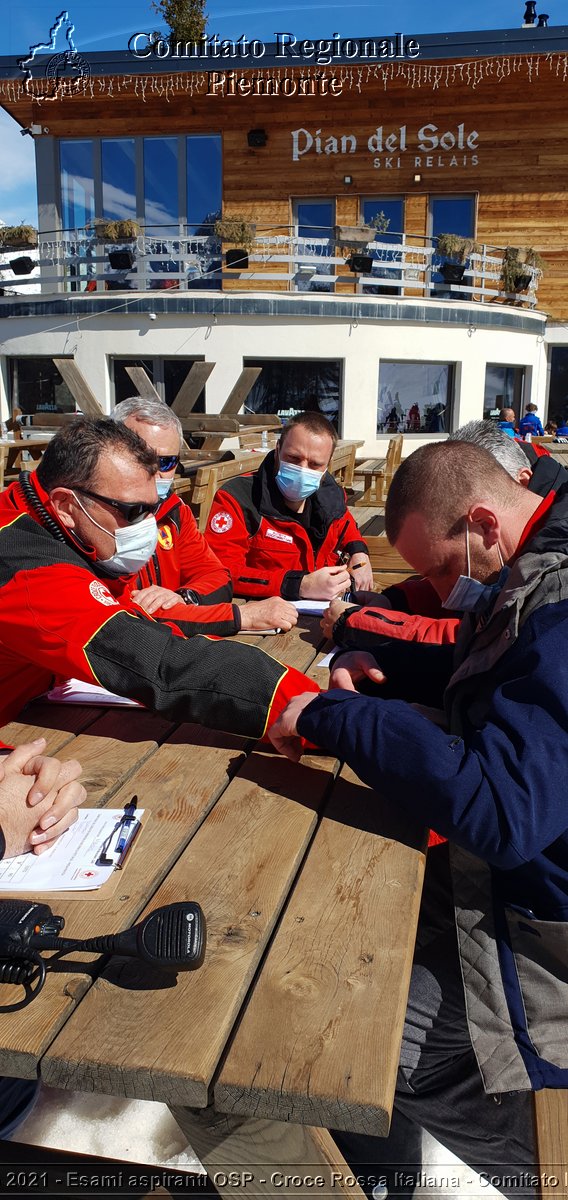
286 529
488 997
72 537
184 579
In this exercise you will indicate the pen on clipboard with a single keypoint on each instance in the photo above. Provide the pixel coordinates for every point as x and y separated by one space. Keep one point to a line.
343 557
133 831
126 825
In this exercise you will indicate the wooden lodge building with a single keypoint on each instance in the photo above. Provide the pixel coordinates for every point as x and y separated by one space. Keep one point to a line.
338 170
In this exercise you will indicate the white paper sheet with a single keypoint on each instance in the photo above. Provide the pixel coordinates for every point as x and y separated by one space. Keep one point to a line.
71 863
75 691
315 607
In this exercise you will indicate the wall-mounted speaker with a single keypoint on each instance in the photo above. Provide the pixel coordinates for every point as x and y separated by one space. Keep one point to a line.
361 264
121 260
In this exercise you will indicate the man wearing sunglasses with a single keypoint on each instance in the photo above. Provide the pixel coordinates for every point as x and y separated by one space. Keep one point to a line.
183 579
73 537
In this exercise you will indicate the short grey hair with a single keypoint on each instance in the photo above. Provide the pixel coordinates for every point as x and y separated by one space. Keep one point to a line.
505 449
150 412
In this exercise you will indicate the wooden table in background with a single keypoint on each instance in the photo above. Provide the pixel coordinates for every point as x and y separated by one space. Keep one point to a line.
35 447
311 891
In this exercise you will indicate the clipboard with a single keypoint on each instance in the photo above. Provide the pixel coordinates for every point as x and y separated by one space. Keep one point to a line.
107 889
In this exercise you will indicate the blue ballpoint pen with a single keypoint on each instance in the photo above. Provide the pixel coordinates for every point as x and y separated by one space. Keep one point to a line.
128 818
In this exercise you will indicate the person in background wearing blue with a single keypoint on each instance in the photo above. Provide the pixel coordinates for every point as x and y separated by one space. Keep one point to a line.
530 423
507 421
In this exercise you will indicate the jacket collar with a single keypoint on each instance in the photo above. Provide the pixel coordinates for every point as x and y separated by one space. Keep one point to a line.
327 504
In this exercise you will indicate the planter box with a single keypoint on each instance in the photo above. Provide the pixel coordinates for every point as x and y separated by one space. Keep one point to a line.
452 272
353 235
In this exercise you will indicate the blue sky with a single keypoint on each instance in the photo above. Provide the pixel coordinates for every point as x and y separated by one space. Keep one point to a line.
108 25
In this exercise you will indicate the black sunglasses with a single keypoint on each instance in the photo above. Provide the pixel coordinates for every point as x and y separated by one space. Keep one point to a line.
167 462
131 512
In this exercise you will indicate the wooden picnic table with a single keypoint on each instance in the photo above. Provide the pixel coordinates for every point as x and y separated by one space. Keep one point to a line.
310 887
16 447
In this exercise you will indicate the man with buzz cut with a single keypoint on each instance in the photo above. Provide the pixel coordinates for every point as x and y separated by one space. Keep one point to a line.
74 536
183 579
286 529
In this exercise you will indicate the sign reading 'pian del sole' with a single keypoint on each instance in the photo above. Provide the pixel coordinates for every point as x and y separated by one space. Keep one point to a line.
431 146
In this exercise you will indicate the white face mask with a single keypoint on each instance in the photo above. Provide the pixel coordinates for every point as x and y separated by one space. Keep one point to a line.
135 545
470 595
164 487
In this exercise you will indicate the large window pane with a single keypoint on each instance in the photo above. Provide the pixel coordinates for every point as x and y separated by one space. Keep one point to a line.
37 386
393 211
450 214
119 179
558 397
290 386
123 385
314 222
77 184
161 210
503 389
415 397
204 182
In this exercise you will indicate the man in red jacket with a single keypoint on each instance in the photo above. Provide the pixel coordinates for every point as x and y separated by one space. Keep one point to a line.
184 579
287 529
73 535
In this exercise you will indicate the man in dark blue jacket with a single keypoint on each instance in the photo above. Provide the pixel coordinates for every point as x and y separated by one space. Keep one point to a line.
487 1014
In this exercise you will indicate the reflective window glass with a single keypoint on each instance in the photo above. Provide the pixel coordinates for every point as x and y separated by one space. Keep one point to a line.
415 397
314 226
290 386
77 184
558 397
37 386
119 179
392 209
503 389
204 182
161 209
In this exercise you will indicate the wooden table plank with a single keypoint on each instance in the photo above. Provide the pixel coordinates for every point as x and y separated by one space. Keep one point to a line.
178 786
57 724
336 977
113 747
239 866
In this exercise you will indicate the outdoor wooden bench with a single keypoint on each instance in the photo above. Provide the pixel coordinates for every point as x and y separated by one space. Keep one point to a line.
209 478
551 1130
388 565
378 472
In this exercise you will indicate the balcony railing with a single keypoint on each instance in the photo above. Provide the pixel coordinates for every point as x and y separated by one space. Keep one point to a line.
81 261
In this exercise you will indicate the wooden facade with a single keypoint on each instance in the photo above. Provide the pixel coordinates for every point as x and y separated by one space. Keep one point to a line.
500 124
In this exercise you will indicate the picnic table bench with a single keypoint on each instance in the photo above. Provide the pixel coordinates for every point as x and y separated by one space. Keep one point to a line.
378 472
311 889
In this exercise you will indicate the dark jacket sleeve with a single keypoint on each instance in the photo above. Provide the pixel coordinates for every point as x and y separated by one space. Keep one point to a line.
414 671
501 792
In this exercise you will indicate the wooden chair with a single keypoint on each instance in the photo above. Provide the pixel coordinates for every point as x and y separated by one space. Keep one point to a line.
209 479
3 459
378 472
342 465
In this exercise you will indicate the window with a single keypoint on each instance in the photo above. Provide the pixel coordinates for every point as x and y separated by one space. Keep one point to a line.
504 388
314 222
161 202
415 397
119 179
393 209
204 182
289 386
36 386
77 184
450 214
167 375
558 395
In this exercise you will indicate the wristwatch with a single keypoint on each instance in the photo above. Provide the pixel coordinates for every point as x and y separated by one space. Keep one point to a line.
188 596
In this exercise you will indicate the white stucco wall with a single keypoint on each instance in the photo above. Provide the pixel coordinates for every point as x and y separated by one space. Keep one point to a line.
226 340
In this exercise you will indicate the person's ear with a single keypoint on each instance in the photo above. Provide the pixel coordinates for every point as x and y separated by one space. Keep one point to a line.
524 477
487 522
64 504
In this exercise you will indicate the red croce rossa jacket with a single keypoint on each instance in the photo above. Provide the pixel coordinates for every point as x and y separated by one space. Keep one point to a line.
267 547
60 617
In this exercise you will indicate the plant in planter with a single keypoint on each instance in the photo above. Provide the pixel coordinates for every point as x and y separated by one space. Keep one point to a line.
18 237
241 233
456 250
514 274
117 231
352 237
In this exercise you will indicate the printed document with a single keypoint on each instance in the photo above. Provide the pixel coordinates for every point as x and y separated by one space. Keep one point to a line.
71 864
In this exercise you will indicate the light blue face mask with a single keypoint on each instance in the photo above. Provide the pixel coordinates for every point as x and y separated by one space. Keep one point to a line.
297 483
470 595
164 487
